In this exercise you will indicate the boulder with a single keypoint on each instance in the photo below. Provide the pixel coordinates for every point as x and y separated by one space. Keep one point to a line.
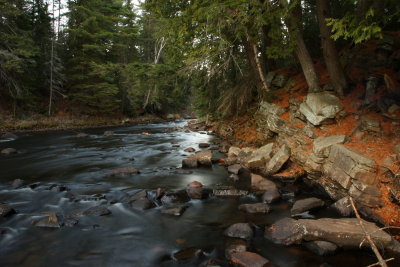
8 151
343 207
248 259
239 230
195 184
124 172
345 232
307 204
196 192
233 151
323 144
255 208
277 161
190 162
5 210
369 125
47 222
177 210
175 197
190 149
267 109
204 158
187 253
320 107
233 245
204 145
321 248
271 195
142 203
235 168
260 183
260 157
97 211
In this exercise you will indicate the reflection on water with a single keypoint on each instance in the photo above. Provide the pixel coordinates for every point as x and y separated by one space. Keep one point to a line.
126 237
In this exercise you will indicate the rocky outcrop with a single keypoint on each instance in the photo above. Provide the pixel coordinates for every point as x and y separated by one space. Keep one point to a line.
345 232
322 145
355 173
322 107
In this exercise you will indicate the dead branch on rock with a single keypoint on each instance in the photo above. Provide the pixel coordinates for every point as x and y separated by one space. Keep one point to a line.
381 261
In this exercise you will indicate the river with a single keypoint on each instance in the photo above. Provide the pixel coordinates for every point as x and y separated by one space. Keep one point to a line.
127 237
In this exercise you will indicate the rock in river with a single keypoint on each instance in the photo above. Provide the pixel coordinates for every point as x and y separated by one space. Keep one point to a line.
307 204
124 172
8 151
142 203
5 210
271 195
97 211
233 245
239 230
255 208
248 259
260 183
176 210
175 197
47 222
345 232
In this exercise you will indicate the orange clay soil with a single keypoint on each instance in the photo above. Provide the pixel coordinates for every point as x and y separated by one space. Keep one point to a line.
377 148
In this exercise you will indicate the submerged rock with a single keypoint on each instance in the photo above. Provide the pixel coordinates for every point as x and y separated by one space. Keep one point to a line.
307 204
97 211
239 230
248 259
82 135
8 151
175 197
107 133
233 245
177 210
47 222
187 253
17 183
6 210
124 172
255 208
142 203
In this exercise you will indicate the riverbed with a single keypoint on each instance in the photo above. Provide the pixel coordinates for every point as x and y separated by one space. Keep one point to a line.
64 174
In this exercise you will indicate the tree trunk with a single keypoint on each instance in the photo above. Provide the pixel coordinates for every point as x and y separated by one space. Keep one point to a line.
254 62
294 24
331 56
303 55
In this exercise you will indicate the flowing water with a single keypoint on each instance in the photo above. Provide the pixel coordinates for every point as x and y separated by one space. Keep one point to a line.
126 237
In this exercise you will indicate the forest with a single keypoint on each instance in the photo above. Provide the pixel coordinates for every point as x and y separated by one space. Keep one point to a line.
99 57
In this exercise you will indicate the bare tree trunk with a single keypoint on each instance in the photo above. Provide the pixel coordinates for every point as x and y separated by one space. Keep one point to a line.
331 56
52 62
255 64
294 23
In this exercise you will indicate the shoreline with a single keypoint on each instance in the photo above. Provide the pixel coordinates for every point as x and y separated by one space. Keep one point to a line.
57 124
